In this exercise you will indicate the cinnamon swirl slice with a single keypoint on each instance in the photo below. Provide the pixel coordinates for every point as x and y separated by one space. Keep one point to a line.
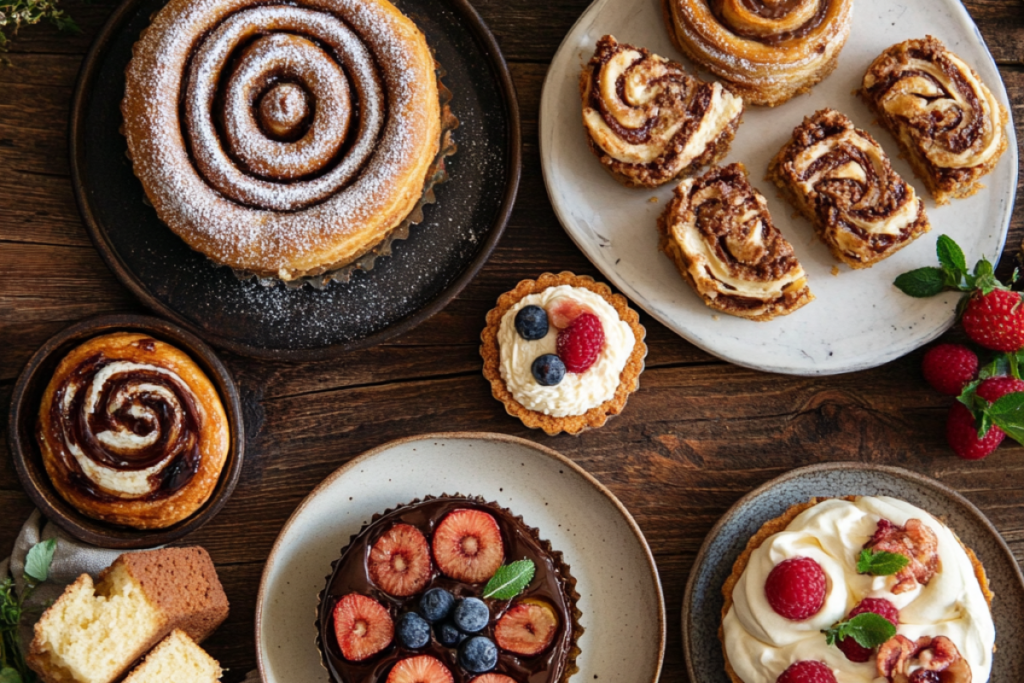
718 232
948 124
647 120
767 50
841 180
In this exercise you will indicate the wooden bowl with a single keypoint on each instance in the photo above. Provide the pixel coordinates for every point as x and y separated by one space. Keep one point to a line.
21 436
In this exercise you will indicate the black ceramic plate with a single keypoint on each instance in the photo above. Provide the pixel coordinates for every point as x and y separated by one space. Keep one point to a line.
421 276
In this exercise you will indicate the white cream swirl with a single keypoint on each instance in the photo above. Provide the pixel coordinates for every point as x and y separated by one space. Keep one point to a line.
760 644
576 393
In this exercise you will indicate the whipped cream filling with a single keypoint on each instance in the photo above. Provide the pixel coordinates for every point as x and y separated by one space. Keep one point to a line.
576 393
760 644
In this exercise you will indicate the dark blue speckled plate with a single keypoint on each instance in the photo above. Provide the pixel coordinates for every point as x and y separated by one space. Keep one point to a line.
702 604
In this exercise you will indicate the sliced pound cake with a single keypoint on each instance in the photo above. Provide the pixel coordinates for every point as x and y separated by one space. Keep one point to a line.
177 659
93 633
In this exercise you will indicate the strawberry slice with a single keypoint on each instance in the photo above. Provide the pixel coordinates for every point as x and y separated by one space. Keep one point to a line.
564 310
421 669
528 628
400 561
362 626
468 546
493 678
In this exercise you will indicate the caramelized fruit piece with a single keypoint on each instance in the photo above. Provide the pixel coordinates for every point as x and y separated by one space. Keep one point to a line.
528 628
362 626
400 561
468 546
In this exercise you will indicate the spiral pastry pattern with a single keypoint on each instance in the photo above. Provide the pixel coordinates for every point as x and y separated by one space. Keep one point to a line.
647 120
945 119
132 431
307 134
842 181
718 232
768 50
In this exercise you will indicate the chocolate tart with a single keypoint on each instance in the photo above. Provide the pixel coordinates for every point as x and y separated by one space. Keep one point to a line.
552 583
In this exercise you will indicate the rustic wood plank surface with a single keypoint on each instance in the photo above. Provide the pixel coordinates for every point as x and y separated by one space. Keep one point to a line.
698 435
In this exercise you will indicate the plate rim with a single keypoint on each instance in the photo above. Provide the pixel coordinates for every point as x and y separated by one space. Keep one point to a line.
846 465
549 94
76 132
464 436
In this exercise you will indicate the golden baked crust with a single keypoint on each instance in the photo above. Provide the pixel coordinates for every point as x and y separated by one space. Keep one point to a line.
729 219
353 148
647 120
864 211
767 52
179 433
629 379
778 524
948 124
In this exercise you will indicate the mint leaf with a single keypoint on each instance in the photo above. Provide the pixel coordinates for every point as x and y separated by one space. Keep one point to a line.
37 562
951 256
510 580
868 629
880 563
9 675
922 283
1007 413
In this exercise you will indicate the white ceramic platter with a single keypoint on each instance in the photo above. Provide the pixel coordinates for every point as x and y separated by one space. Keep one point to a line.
620 593
859 320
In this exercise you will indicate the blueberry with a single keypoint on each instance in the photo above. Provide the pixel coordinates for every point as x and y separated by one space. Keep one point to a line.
532 322
436 604
548 370
478 655
471 615
413 630
448 634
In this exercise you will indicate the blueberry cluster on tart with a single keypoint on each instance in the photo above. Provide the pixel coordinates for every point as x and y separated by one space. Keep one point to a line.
449 590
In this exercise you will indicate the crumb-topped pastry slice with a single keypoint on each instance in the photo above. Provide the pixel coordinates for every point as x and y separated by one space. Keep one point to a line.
841 180
449 590
948 123
718 232
562 352
647 120
860 590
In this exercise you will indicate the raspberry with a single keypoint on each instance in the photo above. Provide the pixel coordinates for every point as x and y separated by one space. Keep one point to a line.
962 434
581 342
949 367
995 320
994 388
796 588
807 671
853 650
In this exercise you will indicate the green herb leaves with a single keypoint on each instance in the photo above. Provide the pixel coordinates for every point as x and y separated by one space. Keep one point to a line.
38 560
868 629
952 275
880 563
510 580
10 675
37 569
17 13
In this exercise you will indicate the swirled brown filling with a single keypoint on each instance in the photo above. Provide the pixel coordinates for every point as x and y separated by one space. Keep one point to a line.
777 10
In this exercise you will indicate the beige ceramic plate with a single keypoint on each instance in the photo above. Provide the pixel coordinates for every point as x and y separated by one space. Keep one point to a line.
620 593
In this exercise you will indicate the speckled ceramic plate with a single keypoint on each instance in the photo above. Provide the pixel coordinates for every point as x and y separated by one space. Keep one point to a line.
702 603
621 601
859 319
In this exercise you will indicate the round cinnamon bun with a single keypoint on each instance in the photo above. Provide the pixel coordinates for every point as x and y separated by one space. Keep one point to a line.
718 232
282 140
842 181
647 120
768 50
132 431
947 122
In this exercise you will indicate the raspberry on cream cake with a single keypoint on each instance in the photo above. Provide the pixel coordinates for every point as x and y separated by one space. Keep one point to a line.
563 352
857 590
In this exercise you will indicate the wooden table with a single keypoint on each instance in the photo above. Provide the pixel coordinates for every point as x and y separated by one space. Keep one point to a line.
698 435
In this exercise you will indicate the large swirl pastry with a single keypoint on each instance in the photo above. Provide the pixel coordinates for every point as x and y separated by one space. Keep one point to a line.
768 50
647 121
132 432
947 122
841 180
718 232
283 140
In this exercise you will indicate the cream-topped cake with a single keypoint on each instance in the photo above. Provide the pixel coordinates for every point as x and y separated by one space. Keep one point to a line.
867 589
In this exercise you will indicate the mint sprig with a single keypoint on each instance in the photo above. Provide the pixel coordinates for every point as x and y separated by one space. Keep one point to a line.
951 275
868 629
880 562
510 580
13 668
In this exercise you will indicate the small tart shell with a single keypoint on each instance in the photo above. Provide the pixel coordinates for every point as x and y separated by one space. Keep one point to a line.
629 380
774 526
